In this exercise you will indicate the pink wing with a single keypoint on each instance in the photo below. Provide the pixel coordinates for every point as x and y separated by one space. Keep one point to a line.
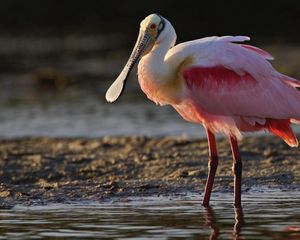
238 81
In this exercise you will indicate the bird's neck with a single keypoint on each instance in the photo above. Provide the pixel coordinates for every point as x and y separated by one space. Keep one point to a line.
153 64
155 75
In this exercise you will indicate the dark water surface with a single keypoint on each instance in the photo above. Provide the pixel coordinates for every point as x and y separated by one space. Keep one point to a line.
268 214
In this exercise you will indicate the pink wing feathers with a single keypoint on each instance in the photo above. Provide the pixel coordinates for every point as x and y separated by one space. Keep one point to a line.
236 80
259 51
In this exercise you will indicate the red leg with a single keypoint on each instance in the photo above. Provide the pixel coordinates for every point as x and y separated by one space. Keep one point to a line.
237 171
212 166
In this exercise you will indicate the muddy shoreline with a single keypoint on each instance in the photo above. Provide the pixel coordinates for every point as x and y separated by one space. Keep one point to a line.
37 171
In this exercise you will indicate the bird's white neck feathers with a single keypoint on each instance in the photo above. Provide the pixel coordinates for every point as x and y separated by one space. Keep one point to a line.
153 64
153 73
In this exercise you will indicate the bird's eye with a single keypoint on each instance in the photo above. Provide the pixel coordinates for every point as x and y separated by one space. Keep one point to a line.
152 26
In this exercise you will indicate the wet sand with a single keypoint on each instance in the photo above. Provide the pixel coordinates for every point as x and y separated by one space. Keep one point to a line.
36 171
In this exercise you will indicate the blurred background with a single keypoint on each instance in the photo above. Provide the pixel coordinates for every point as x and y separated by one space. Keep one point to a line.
57 58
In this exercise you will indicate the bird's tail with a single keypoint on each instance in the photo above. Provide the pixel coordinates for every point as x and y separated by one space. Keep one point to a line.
289 80
282 129
296 121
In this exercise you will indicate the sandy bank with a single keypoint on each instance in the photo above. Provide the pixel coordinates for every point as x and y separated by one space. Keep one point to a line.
43 170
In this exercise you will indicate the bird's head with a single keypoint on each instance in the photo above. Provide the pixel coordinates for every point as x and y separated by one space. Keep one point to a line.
153 30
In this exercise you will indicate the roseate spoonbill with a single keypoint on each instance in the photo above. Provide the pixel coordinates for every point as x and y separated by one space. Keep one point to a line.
226 86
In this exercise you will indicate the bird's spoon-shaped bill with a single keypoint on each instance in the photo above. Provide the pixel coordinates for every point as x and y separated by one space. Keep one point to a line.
116 89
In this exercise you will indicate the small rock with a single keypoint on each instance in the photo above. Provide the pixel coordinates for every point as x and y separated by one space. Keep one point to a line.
46 185
4 194
197 173
184 173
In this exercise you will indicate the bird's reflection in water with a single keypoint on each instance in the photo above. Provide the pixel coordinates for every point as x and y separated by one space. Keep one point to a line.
210 221
239 221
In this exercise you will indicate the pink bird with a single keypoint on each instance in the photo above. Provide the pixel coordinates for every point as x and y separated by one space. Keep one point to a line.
226 86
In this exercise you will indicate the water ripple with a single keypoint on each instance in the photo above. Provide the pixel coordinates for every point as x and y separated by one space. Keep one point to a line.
276 215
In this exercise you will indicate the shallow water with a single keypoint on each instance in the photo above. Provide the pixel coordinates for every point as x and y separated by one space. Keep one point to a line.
88 115
271 214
